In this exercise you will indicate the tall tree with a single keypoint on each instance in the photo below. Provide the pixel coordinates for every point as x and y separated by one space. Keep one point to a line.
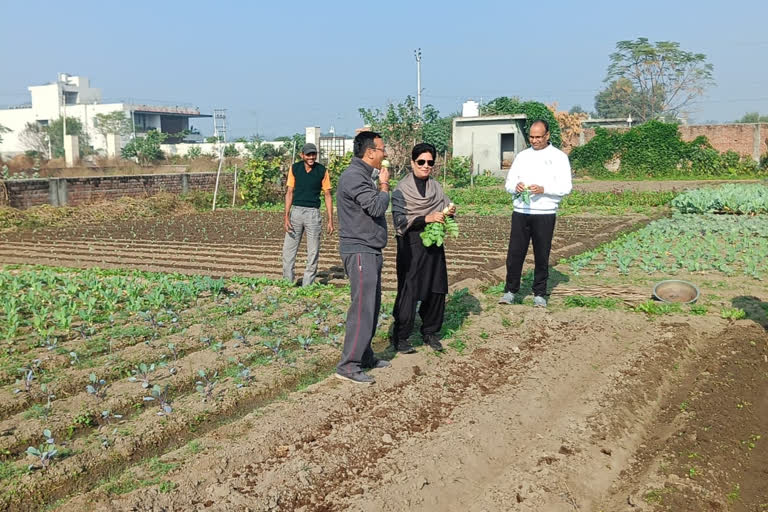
400 126
437 130
114 122
619 99
667 80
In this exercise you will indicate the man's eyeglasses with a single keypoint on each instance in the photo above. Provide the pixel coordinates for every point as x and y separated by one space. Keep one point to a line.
537 137
428 162
379 149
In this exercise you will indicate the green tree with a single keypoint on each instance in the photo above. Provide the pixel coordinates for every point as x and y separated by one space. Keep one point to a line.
55 132
666 79
400 126
618 99
533 110
114 122
437 130
145 149
299 139
752 117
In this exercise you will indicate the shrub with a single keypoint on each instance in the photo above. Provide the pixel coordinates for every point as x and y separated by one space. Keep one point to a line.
194 152
145 149
336 165
458 170
231 151
261 182
655 150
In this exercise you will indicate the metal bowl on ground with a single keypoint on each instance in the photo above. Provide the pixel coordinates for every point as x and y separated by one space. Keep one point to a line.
675 290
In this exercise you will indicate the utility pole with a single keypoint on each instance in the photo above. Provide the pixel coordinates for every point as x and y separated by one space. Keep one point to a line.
417 54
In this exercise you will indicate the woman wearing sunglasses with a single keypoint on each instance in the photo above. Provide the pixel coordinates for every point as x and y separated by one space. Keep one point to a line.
422 274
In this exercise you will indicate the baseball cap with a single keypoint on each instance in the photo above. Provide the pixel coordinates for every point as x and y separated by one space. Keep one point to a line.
309 148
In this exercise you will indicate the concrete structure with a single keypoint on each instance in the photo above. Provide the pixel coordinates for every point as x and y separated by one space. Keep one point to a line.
72 96
71 150
470 108
491 141
312 135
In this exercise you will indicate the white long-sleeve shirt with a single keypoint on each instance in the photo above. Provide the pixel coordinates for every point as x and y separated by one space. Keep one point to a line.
549 168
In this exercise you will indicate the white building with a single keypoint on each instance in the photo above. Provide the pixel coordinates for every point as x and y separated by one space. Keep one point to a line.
72 96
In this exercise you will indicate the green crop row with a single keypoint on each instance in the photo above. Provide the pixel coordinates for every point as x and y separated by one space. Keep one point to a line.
727 244
730 198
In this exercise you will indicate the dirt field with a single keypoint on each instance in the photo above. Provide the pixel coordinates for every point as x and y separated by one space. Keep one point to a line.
560 410
564 409
234 242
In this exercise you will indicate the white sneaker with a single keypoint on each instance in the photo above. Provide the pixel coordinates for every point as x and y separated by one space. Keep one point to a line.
539 302
507 298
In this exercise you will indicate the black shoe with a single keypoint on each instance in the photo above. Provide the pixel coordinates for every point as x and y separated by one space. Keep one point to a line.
357 378
403 347
433 342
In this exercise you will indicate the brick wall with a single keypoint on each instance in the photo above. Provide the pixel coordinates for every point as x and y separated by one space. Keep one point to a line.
74 191
741 138
745 139
27 193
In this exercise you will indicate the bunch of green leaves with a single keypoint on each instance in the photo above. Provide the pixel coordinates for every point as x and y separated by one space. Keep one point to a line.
525 196
436 232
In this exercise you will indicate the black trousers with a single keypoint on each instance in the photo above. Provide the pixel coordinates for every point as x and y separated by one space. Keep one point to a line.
431 311
527 228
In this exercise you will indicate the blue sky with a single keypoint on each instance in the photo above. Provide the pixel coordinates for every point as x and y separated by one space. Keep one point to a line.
280 66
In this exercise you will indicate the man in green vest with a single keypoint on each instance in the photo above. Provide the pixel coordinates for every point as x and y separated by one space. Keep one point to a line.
302 212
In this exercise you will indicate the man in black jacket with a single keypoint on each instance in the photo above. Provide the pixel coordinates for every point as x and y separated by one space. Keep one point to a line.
361 206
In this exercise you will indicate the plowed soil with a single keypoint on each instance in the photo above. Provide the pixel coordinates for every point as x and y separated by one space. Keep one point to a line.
565 411
230 243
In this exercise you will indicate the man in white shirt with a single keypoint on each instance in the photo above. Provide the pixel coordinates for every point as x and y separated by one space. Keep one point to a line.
539 178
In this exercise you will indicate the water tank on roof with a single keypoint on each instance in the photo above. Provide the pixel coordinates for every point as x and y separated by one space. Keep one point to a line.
470 109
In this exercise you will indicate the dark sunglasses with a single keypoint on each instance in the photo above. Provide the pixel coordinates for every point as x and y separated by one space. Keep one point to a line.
428 162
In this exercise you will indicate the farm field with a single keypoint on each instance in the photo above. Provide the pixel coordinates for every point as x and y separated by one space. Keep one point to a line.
241 243
170 371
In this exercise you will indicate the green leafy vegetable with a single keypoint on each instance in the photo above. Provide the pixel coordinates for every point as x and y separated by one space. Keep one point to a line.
435 232
525 195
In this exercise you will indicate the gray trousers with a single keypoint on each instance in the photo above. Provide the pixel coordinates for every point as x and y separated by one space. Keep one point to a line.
309 220
364 271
